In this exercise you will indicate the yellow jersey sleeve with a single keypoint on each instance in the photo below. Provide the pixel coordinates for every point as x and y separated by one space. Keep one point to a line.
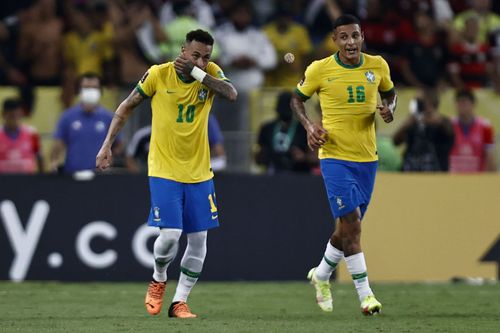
310 83
147 84
214 70
385 77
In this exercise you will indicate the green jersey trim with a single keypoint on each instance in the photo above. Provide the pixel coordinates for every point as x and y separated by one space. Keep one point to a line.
337 59
304 97
139 89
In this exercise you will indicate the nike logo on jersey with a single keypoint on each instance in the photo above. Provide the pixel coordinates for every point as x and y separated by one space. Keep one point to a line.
330 79
170 91
214 217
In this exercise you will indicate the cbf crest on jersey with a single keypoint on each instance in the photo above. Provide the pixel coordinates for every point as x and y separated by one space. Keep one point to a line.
370 76
202 94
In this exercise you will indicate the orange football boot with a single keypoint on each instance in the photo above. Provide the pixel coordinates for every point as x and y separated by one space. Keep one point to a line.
154 297
180 310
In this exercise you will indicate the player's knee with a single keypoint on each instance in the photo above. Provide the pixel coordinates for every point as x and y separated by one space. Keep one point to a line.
352 234
167 241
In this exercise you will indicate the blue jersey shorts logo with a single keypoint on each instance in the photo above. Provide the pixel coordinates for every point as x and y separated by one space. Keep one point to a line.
156 214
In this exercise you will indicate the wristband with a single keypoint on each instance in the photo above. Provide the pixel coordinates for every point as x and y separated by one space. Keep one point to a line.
198 73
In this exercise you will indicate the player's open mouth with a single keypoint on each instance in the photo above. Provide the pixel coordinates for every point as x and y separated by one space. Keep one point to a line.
351 51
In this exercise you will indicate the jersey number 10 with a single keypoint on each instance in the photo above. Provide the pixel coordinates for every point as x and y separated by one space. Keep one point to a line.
189 113
360 94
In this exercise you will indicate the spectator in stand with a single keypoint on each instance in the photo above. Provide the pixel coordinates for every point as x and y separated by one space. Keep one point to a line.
40 44
201 10
86 49
176 29
474 148
440 10
101 19
428 136
319 15
221 10
386 33
138 148
283 142
138 36
470 60
245 53
82 129
10 68
19 144
488 20
424 60
287 36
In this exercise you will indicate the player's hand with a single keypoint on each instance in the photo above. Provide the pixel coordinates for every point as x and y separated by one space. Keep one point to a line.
385 113
316 136
183 66
104 158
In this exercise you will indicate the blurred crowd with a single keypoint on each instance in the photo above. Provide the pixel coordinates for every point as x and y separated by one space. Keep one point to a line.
431 45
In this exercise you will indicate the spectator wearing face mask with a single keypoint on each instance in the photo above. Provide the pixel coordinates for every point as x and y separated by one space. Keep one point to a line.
82 129
283 142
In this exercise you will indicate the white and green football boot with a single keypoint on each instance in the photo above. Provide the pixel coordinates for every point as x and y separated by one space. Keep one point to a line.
371 306
323 292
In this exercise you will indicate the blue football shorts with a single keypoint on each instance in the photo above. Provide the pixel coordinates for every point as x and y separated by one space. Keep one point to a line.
190 207
348 184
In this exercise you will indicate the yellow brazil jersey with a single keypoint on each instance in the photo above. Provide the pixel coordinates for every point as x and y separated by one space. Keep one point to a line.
179 148
348 99
87 54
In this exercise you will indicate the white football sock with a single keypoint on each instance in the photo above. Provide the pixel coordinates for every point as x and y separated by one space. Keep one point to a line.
164 251
357 268
191 264
328 263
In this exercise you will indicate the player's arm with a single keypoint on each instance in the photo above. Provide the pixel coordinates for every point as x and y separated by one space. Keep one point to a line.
388 107
103 158
316 135
220 87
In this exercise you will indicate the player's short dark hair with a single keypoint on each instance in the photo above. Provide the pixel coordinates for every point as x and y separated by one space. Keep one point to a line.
465 93
11 104
345 20
88 75
200 36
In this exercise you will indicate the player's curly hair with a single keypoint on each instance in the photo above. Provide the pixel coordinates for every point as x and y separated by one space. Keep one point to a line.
200 36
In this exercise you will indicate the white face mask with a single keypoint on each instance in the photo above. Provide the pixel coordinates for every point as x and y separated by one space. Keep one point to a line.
90 96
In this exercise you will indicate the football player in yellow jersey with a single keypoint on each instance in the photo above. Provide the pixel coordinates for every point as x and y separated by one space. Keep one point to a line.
180 176
347 84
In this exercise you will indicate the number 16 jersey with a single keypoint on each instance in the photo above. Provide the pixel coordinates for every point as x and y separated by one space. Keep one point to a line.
348 99
179 148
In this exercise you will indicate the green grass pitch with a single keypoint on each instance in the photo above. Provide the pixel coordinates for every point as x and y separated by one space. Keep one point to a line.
247 307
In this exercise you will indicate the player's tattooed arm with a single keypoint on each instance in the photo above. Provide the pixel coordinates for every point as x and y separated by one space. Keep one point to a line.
388 106
316 134
221 87
104 157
